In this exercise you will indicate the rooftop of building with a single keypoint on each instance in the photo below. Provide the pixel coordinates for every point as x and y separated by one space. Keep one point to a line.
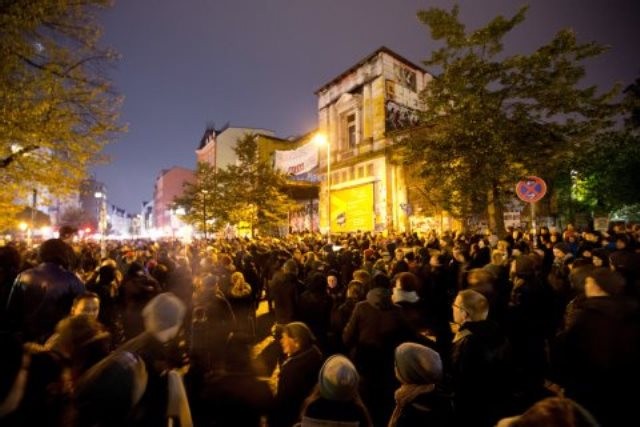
382 49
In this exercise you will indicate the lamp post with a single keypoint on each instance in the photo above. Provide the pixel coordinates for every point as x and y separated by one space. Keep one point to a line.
102 221
33 218
204 212
321 139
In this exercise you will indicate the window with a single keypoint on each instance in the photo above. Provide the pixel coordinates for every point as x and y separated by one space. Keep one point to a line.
370 169
351 130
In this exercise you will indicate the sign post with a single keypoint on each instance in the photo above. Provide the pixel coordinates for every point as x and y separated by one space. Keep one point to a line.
530 190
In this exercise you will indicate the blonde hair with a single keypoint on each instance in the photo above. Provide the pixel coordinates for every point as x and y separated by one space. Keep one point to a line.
239 288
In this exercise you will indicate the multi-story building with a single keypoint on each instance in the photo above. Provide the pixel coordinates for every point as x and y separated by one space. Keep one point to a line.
119 221
146 218
300 161
93 194
217 145
361 111
169 185
217 148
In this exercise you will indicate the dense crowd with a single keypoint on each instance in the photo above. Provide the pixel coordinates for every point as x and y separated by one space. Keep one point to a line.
457 329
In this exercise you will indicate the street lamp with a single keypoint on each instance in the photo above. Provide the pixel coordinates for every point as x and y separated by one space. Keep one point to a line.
204 212
102 221
321 139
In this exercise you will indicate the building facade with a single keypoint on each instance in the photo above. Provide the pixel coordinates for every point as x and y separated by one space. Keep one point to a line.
217 145
92 196
361 112
169 185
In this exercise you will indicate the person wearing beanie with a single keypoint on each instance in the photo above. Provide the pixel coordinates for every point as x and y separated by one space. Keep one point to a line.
420 399
157 347
376 327
595 359
335 398
298 373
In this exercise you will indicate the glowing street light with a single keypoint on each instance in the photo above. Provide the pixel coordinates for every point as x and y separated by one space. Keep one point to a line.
102 221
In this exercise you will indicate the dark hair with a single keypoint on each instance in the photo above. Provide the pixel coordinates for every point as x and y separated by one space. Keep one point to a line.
611 282
408 281
555 412
56 251
380 280
300 332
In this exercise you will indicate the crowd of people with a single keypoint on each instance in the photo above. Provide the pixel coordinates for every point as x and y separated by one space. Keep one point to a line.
457 329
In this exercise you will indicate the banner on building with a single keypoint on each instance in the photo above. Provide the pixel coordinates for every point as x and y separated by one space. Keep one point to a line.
352 209
297 162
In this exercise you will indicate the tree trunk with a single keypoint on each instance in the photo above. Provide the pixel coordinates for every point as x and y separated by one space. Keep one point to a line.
495 211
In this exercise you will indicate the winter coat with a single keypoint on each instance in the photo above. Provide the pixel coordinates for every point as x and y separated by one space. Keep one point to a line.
596 358
40 298
298 376
481 371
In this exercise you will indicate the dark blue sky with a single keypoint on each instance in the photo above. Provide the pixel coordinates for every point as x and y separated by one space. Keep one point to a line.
256 63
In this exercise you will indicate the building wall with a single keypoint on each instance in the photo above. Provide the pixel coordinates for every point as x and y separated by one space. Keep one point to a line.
207 153
360 112
169 185
227 140
88 201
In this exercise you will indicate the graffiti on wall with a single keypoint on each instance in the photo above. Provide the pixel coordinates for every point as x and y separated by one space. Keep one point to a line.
398 116
305 217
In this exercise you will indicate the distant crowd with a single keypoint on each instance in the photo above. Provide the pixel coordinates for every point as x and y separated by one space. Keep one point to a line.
451 329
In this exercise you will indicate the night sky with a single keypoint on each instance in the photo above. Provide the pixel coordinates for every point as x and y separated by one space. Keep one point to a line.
257 63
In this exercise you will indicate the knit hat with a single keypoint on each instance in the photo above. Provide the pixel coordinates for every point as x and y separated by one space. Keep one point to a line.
417 364
110 388
338 378
163 312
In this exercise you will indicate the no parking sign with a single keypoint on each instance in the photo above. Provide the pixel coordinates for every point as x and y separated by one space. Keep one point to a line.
531 189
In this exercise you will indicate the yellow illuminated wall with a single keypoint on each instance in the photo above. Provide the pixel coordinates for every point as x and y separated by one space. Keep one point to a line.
352 209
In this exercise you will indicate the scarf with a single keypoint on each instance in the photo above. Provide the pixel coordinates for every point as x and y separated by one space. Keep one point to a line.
400 295
406 394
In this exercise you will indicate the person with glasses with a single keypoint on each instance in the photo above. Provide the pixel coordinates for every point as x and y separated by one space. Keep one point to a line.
480 363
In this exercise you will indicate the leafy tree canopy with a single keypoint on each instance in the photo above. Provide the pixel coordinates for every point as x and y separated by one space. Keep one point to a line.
605 178
248 191
57 107
200 200
491 119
